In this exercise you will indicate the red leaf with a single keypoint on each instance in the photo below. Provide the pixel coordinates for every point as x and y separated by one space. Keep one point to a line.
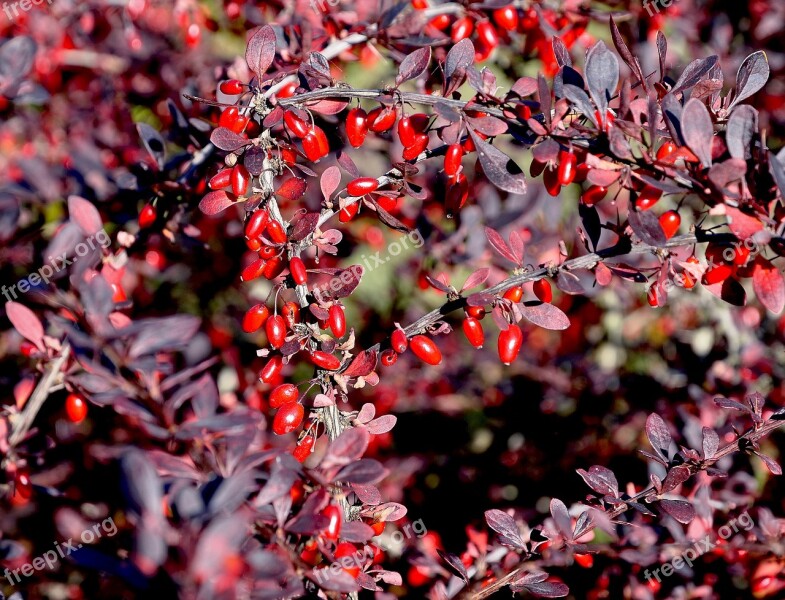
84 214
292 189
362 364
215 202
331 179
768 285
26 323
498 243
477 278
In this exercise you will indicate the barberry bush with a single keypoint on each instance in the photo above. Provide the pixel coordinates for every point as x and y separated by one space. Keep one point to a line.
349 299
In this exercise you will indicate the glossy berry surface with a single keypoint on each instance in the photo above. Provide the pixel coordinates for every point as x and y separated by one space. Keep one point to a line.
426 350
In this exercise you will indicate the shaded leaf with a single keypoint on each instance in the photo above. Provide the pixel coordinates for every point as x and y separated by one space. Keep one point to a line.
658 434
680 510
85 214
751 76
602 75
304 226
260 51
500 169
546 315
698 130
153 143
455 563
413 65
498 244
228 140
26 323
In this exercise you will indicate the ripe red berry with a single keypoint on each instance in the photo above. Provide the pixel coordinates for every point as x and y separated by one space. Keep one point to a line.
257 224
337 320
356 126
228 117
425 349
240 180
288 418
276 331
420 144
240 123
667 148
220 180
440 22
514 294
542 289
297 269
315 144
268 252
670 221
717 274
276 232
472 328
22 484
297 126
303 449
362 186
506 17
271 370
75 408
486 35
335 518
147 216
381 119
398 341
348 212
324 360
274 267
584 560
461 29
567 164
283 394
389 358
231 87
287 91
510 341
255 317
648 197
476 312
550 177
742 255
254 270
291 313
406 132
593 194
452 159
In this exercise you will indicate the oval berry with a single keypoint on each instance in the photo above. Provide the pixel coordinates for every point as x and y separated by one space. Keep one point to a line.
425 349
381 119
476 312
324 360
550 177
593 194
389 358
362 186
506 17
398 341
147 216
542 289
472 329
337 320
228 117
567 164
452 159
76 408
257 224
297 269
240 180
303 449
285 393
254 270
461 29
268 252
231 87
271 370
667 148
274 267
418 147
510 341
255 317
648 197
406 132
315 144
717 274
348 212
514 294
220 180
356 126
276 331
288 418
276 232
291 313
670 221
334 520
22 484
486 35
295 124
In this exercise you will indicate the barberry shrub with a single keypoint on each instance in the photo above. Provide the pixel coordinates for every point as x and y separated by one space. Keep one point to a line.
239 313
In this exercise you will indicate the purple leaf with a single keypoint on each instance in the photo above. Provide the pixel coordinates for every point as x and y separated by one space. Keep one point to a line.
680 510
26 323
348 446
601 480
731 404
365 470
525 86
562 518
459 59
741 129
382 425
772 465
413 65
602 75
304 226
477 278
505 525
694 72
751 76
658 434
500 169
228 140
675 477
498 244
260 52
356 532
153 143
647 227
698 130
162 334
769 285
85 214
546 315
711 442
455 563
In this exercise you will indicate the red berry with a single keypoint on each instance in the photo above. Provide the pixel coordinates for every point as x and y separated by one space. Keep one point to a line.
584 560
381 119
567 163
648 197
378 527
75 408
285 393
276 331
348 212
425 349
297 269
486 35
472 328
670 221
457 194
240 180
398 341
287 91
419 4
276 232
303 449
389 358
406 132
476 312
295 124
274 267
288 418
254 270
271 369
255 317
717 274
418 147
231 87
440 22
510 341
220 180
542 289
550 177
514 294
452 159
268 252
325 360
239 125
742 255
291 313
362 186
257 224
506 17
22 484
461 29
228 117
356 126
337 320
667 148
593 194
315 144
147 216
335 518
